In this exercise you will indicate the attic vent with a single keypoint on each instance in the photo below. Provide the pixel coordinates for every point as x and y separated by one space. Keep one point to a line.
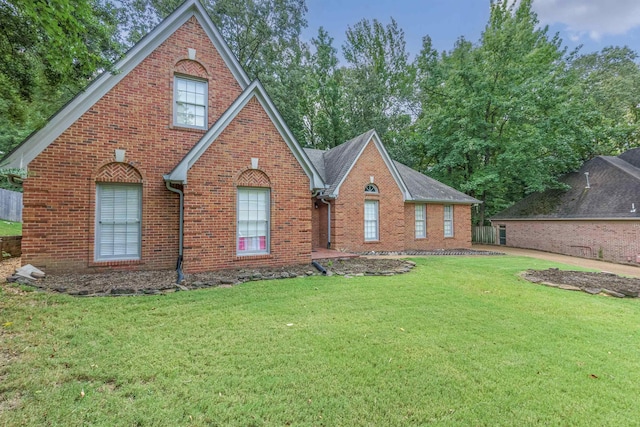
586 174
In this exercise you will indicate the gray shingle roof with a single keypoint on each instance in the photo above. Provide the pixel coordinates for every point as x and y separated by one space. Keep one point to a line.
426 189
614 185
333 165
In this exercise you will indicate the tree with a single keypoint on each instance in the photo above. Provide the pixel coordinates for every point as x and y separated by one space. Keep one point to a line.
324 103
377 80
609 89
497 119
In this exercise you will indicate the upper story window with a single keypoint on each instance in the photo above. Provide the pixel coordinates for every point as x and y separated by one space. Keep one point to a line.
190 102
371 189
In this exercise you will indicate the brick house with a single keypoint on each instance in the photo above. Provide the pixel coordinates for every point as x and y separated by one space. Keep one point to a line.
376 204
178 156
598 216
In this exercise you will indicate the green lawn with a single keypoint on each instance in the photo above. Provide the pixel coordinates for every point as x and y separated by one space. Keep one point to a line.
9 228
458 341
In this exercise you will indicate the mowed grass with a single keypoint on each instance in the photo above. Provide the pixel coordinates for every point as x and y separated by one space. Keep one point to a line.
458 341
10 228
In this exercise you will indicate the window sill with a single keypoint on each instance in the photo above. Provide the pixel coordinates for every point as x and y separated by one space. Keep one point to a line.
188 129
115 263
371 241
253 256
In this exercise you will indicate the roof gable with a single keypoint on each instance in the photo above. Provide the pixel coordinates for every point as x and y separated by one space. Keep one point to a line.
30 148
339 161
180 172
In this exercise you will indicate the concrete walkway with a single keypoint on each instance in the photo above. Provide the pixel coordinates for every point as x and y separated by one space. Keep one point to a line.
622 269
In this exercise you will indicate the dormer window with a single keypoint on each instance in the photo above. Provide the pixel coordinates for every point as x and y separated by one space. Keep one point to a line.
190 102
371 189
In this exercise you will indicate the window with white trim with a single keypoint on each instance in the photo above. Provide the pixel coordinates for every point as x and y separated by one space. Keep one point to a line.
118 222
421 221
371 220
190 102
448 221
253 221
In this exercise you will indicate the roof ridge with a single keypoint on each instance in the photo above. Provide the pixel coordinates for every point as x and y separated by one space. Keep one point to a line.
623 165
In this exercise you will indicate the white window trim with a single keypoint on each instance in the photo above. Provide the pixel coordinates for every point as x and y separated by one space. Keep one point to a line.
175 102
376 220
267 249
371 189
448 219
99 226
421 207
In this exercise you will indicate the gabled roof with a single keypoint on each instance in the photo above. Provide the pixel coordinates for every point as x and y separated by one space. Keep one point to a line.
613 193
334 165
338 162
426 189
23 154
255 90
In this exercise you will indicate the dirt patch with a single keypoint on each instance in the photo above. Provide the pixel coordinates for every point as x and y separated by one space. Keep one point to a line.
155 282
593 283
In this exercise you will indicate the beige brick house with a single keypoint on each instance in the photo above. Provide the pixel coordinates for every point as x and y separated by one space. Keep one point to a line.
179 156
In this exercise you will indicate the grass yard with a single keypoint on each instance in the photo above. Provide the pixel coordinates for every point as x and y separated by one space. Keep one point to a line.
458 341
10 228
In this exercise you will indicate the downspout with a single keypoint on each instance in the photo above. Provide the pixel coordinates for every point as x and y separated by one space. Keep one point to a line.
180 277
328 222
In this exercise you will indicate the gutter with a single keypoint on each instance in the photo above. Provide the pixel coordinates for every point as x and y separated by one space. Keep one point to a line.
180 274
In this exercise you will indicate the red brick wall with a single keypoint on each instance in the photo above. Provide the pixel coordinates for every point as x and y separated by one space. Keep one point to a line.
210 197
348 220
435 228
136 115
617 241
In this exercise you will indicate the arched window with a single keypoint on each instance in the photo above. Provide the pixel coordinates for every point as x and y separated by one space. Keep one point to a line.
371 189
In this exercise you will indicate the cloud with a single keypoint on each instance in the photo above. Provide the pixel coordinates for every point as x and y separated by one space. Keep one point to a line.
597 18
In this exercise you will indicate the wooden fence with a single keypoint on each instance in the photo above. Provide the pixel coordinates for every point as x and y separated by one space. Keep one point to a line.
10 205
485 234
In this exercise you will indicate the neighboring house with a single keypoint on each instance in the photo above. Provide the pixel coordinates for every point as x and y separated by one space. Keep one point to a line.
178 156
597 217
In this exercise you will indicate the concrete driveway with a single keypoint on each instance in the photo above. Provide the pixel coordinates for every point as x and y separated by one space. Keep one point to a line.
622 269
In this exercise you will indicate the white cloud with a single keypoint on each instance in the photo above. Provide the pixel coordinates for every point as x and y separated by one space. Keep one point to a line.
596 18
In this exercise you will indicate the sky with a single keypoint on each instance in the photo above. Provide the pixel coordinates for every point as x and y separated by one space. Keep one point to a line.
594 24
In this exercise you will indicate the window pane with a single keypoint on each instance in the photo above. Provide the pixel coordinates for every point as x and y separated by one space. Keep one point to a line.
253 220
421 221
118 222
371 220
448 221
190 102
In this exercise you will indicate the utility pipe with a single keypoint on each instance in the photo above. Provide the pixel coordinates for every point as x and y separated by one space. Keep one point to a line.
180 277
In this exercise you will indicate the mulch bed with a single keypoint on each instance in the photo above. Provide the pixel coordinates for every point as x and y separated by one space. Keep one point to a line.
594 283
157 282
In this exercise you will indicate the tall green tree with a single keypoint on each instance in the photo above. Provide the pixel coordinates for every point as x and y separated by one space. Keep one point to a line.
378 79
609 89
497 118
323 105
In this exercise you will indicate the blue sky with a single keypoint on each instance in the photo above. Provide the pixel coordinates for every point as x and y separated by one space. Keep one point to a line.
593 23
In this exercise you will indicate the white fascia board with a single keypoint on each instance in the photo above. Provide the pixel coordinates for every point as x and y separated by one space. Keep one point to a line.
79 105
388 162
179 173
